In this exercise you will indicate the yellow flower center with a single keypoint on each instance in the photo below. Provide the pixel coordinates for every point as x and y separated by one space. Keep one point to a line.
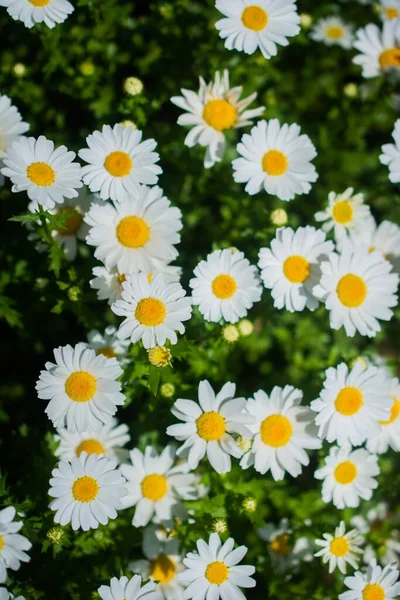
275 163
106 351
254 18
280 545
72 223
90 446
296 269
41 174
351 290
154 487
159 356
85 489
2 543
220 114
276 431
121 278
133 232
163 569
80 386
349 401
390 58
224 286
335 32
392 12
39 2
394 412
345 472
150 312
118 164
373 591
211 426
343 212
339 546
217 572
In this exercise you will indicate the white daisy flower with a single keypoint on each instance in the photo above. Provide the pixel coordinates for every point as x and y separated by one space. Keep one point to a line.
129 589
348 475
154 310
280 548
108 441
333 31
263 24
375 584
162 564
12 127
119 162
388 434
156 487
384 237
214 109
30 12
390 9
391 153
225 286
358 289
13 546
88 490
340 548
208 426
214 572
380 48
344 214
351 404
81 387
290 267
108 343
277 159
282 431
6 595
133 232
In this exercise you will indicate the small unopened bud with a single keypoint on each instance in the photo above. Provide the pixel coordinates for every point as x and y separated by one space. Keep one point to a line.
87 68
230 334
159 356
279 217
351 90
167 390
133 86
244 443
245 327
55 535
219 525
306 20
249 504
19 69
74 293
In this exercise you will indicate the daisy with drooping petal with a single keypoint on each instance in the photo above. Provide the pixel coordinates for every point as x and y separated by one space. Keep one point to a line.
119 162
375 584
388 434
129 589
380 48
290 267
87 491
340 548
333 31
12 127
390 9
30 12
225 286
154 310
213 110
133 232
108 343
208 426
277 159
13 546
351 404
46 175
345 213
391 153
384 237
214 571
156 487
81 387
263 24
282 431
358 289
348 475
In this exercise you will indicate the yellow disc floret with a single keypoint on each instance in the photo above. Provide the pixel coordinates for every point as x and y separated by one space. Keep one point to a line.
342 212
154 487
41 174
224 287
280 545
394 413
118 164
275 163
334 32
373 591
296 269
211 426
89 446
85 489
133 232
80 386
217 572
349 401
150 312
345 472
163 569
339 546
254 18
390 58
276 431
220 114
351 290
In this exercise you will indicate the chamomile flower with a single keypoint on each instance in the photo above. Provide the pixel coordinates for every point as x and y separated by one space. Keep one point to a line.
156 487
341 548
348 475
384 237
346 212
129 589
208 426
225 286
279 544
351 404
13 546
108 283
375 584
214 109
46 175
108 343
132 233
390 9
379 48
277 159
388 434
163 562
333 31
282 431
87 491
12 127
391 153
290 267
30 12
262 24
154 310
119 162
81 387
108 441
